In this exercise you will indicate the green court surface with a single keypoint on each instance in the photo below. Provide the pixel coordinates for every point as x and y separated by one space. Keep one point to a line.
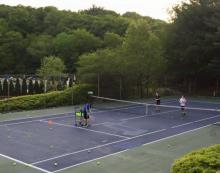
156 157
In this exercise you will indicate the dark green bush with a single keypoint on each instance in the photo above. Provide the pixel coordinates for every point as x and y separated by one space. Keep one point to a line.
206 160
73 95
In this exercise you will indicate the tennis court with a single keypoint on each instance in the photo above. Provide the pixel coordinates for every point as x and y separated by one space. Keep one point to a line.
53 143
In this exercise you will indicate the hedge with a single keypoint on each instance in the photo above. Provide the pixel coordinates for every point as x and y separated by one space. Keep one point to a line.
206 160
73 95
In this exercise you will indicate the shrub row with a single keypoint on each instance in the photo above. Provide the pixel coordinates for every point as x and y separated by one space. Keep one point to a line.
206 160
74 95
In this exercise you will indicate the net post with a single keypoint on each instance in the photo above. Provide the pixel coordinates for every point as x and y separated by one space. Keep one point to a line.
146 109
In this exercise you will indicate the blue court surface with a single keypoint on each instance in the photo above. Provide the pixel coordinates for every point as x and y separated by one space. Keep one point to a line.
53 143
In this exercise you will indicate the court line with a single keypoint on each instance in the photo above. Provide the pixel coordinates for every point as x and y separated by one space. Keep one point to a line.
26 118
23 163
23 122
195 121
72 126
162 139
98 146
207 102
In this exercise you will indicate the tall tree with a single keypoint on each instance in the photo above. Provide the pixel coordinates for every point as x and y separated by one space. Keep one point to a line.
51 67
143 54
190 45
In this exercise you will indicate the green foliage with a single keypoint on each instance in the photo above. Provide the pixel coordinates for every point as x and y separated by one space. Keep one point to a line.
74 95
206 160
51 67
71 45
191 42
98 11
112 40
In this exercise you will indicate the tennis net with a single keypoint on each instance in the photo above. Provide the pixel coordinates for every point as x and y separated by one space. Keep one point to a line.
147 109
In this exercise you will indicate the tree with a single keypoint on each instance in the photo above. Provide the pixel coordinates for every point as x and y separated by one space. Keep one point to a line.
39 47
69 46
190 43
143 54
112 40
51 67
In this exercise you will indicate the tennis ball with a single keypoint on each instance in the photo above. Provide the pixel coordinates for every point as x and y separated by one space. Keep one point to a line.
168 145
55 164
89 151
98 163
14 163
51 146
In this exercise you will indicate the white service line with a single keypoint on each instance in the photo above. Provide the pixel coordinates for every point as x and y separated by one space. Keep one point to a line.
127 149
18 123
99 146
26 118
26 164
195 121
72 126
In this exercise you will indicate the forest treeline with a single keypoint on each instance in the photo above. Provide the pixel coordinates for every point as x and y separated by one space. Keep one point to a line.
126 53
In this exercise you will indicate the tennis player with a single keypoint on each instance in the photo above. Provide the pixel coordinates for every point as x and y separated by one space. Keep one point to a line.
157 99
86 110
182 102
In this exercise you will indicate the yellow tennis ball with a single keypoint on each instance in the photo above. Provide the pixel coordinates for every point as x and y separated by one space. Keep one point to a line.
98 163
14 163
55 164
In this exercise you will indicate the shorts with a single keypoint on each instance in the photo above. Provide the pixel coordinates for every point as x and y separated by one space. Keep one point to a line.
182 108
85 115
158 102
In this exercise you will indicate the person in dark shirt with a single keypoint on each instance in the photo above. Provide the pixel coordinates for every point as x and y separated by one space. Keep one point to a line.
157 99
86 110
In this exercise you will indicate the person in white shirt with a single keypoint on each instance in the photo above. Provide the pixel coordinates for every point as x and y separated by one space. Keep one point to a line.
182 102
